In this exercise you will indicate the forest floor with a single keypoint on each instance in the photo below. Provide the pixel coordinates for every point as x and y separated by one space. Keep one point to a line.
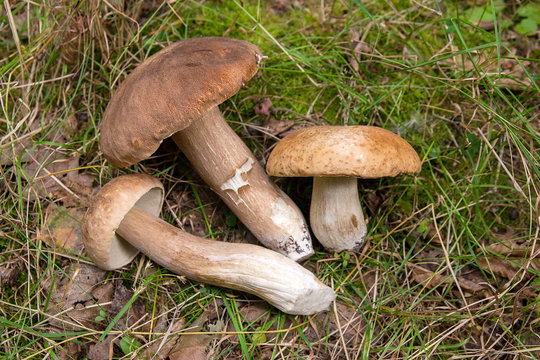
451 264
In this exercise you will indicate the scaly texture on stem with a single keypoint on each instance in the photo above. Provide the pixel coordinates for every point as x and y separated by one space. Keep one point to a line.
336 215
227 165
250 268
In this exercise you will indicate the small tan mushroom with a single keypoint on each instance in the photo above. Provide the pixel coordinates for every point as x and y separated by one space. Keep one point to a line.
176 92
335 156
123 220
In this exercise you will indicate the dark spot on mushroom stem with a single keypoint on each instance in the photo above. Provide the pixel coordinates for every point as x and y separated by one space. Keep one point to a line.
358 244
354 220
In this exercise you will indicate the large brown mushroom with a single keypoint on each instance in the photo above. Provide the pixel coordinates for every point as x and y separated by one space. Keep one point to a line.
123 220
335 156
176 92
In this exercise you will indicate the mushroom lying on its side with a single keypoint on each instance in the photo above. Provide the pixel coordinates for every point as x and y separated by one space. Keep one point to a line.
335 156
176 92
122 220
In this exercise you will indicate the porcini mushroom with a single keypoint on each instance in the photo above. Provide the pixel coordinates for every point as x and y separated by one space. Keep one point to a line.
123 220
335 156
176 92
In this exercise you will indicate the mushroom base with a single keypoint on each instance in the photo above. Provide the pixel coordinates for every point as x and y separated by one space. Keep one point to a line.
336 215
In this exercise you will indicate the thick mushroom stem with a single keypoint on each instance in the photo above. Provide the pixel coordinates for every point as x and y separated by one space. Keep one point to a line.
336 215
226 164
250 268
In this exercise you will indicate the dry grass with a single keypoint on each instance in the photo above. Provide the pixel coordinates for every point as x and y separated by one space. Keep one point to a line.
451 266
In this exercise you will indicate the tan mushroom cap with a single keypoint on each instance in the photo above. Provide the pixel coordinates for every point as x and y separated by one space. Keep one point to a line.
332 151
108 250
171 89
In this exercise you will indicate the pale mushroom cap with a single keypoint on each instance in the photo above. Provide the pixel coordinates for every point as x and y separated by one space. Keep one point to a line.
331 151
171 89
106 249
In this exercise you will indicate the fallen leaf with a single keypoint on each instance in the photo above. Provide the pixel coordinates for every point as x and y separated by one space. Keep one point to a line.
77 297
507 267
72 351
291 130
280 6
432 279
73 38
62 228
193 346
346 320
162 347
512 76
374 201
21 148
47 175
263 108
254 311
427 277
50 170
358 48
271 125
509 255
276 127
102 350
9 274
531 340
134 315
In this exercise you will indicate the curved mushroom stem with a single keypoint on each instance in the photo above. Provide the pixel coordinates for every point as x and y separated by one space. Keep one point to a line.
227 165
250 268
336 215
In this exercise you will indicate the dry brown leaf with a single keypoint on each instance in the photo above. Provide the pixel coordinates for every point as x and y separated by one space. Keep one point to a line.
75 299
277 127
9 274
62 228
49 170
427 277
73 38
102 350
531 340
515 254
71 351
506 267
135 314
48 174
280 6
432 280
254 311
161 349
263 108
271 125
21 148
358 47
512 74
193 346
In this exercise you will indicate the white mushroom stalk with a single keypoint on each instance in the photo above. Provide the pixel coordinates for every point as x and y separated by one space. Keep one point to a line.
176 93
336 214
336 156
122 221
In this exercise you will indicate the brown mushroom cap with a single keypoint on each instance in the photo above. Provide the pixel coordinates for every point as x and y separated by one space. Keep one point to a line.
108 250
332 151
171 89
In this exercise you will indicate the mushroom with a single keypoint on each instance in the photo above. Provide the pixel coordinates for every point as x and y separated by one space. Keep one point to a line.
335 156
123 220
176 92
